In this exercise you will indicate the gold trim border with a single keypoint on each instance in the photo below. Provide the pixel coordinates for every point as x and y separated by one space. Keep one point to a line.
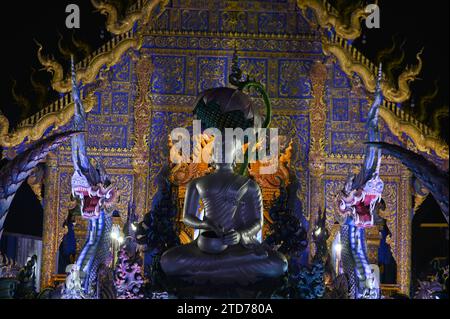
36 131
328 17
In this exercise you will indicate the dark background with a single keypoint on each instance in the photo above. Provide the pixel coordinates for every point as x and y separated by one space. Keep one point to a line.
421 24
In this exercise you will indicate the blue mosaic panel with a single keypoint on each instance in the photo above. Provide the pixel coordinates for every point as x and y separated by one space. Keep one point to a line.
120 103
303 134
194 20
97 109
162 124
363 109
302 24
255 68
348 142
293 78
340 109
273 22
163 21
122 70
211 72
107 135
233 21
340 79
169 75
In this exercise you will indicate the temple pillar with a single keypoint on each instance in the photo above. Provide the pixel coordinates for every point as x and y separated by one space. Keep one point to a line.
50 226
373 239
142 123
317 118
406 213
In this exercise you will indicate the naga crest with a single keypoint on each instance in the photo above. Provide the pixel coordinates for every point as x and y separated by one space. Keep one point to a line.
361 196
90 183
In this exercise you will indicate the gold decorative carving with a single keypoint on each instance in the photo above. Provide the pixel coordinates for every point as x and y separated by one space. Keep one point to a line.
418 201
142 122
278 179
373 239
328 17
424 143
404 232
317 118
318 114
50 225
80 229
140 13
108 55
35 132
403 92
36 180
186 170
352 61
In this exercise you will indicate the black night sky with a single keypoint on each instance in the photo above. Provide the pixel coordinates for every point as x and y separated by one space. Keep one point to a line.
418 23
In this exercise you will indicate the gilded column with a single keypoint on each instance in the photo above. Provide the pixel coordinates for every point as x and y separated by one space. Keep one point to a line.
50 226
406 212
373 239
142 123
317 118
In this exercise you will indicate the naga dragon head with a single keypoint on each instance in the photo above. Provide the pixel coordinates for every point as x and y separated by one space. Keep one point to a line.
362 203
90 183
361 197
94 190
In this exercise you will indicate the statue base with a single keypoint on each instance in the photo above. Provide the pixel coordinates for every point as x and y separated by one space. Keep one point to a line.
263 289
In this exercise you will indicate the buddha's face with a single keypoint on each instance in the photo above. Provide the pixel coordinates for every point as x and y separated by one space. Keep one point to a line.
225 153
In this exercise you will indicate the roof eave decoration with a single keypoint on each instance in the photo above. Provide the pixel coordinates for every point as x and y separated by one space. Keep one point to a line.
108 55
36 131
424 143
328 17
141 12
352 61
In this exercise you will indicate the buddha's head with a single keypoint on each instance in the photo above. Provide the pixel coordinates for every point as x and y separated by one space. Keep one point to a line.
220 109
225 107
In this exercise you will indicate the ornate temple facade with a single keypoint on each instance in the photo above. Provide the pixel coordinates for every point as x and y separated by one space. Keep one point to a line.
144 83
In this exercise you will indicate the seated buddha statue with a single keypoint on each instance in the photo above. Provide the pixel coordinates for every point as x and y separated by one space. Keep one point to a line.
228 249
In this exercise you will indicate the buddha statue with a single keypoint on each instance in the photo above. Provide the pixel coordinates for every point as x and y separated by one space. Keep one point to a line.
228 249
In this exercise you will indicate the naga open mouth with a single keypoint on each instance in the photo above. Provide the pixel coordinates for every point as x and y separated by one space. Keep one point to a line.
90 202
364 209
92 199
361 205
